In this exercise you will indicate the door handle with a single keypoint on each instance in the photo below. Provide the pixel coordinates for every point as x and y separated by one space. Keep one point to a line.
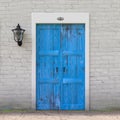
56 69
64 69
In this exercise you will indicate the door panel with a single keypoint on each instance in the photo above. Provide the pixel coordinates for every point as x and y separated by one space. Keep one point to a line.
60 71
48 37
73 88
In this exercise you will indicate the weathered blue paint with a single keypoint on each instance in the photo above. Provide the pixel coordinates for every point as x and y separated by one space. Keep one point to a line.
60 66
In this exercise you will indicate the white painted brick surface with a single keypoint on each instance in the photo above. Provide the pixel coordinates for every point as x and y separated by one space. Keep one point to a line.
15 62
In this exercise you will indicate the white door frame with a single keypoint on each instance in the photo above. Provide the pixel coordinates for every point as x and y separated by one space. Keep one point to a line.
68 18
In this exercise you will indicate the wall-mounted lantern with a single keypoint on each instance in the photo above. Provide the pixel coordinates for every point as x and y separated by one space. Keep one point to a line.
18 33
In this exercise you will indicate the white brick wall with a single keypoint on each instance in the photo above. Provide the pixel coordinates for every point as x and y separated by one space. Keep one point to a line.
15 62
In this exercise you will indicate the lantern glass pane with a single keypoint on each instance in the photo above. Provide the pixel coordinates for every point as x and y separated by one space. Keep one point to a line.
18 35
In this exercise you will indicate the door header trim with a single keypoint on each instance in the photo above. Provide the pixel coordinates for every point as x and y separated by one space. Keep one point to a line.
64 18
53 17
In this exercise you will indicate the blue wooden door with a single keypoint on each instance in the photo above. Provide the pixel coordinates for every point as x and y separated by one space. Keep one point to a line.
60 66
47 64
73 64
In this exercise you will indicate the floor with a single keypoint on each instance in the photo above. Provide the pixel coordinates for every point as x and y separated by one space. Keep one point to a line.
60 115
